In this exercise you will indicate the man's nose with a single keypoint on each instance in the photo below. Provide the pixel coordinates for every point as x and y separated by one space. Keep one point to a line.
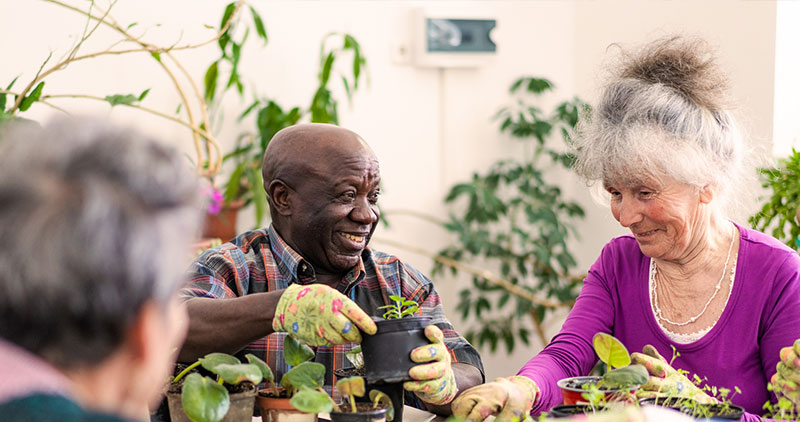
363 212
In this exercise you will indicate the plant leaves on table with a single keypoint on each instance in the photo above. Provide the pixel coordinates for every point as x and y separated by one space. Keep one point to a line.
379 398
296 352
266 372
234 374
610 350
307 374
351 386
204 400
211 360
312 401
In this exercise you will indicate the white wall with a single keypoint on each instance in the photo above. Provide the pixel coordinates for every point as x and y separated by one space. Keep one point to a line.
431 128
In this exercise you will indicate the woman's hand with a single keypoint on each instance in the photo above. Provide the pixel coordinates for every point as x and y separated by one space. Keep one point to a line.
786 381
511 399
665 380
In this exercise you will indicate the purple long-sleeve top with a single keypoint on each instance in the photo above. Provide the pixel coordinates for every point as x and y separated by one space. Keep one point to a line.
742 350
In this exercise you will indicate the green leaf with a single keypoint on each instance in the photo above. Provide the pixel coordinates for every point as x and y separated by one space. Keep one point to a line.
326 69
118 99
351 386
2 102
12 83
626 376
156 55
143 94
311 401
211 360
226 15
307 374
210 81
266 372
203 399
296 352
380 399
610 350
32 97
259 197
259 24
234 374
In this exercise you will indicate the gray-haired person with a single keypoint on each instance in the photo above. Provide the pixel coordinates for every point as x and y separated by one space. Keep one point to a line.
95 229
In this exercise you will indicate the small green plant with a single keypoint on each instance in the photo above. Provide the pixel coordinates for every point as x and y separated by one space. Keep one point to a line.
207 400
780 211
355 357
620 373
401 307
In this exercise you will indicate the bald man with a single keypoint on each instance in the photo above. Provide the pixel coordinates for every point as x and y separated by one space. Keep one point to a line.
322 185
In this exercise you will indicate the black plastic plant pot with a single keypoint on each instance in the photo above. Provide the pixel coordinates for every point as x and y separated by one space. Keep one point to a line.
567 410
675 403
718 412
387 354
394 391
365 414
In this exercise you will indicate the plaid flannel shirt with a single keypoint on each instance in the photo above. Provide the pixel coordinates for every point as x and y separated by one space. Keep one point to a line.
260 261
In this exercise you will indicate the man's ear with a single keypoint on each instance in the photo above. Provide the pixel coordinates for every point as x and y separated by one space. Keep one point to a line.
279 195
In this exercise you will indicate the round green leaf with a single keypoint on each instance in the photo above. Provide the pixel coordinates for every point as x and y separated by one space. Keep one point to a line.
308 374
312 401
610 350
296 352
203 399
379 398
266 372
211 360
626 376
352 386
234 374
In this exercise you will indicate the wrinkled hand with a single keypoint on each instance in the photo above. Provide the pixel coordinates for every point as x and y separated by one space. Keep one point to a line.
434 382
319 315
511 399
787 380
665 380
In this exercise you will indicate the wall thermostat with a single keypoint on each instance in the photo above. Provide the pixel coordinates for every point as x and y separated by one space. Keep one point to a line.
447 40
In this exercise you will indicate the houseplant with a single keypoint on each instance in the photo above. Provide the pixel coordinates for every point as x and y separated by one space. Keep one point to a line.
317 401
275 402
229 397
515 219
781 211
619 382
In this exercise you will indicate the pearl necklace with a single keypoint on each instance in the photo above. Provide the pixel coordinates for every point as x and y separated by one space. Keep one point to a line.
654 290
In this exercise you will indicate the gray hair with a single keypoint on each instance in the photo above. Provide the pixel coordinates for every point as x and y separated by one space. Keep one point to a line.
665 114
95 221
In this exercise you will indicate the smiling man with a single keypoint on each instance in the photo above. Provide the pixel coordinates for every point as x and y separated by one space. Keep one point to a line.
312 275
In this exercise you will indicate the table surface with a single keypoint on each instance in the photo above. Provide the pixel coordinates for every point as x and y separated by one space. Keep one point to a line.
410 414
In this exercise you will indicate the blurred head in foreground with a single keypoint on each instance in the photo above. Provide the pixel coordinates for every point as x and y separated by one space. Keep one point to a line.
96 222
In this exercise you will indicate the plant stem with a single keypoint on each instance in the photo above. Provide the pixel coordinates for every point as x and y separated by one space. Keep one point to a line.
352 400
186 371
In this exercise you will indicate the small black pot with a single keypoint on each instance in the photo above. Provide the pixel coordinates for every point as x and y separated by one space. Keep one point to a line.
394 391
567 410
387 354
365 414
690 407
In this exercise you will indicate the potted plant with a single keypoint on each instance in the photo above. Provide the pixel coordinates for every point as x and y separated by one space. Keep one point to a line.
723 410
617 384
228 398
274 402
317 401
387 354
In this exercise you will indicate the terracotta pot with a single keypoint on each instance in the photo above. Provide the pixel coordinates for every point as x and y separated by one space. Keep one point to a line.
278 409
241 409
223 224
572 390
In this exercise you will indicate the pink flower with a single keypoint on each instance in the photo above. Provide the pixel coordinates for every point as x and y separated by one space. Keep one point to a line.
214 199
303 292
336 306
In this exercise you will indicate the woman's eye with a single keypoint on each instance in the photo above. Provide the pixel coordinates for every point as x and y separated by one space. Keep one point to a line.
646 194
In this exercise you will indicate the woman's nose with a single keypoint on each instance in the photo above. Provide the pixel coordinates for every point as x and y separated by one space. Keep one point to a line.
629 212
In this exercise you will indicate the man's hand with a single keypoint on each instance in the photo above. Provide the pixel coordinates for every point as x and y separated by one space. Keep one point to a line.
786 381
434 382
319 315
664 379
511 399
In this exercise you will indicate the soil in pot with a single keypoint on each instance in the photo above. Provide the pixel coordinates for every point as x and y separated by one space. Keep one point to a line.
365 413
387 354
572 389
697 410
278 409
567 410
242 398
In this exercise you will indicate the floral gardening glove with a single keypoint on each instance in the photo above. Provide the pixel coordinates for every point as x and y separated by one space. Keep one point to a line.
511 399
319 315
434 382
665 380
786 381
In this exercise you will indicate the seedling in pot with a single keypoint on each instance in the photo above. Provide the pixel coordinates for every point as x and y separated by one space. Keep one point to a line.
207 400
401 307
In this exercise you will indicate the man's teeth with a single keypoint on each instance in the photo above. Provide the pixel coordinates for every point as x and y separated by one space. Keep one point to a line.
353 237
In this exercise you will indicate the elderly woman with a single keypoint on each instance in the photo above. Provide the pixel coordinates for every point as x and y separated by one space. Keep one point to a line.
95 223
666 149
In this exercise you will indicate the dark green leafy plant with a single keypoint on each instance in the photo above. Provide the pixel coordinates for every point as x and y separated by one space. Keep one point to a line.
207 400
781 209
517 221
245 182
400 307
